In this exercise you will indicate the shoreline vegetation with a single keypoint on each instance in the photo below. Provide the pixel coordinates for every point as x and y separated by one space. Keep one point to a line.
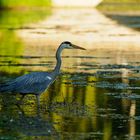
14 4
106 5
121 1
119 5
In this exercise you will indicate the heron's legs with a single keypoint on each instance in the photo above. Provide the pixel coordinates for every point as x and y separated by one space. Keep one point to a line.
38 100
38 103
21 99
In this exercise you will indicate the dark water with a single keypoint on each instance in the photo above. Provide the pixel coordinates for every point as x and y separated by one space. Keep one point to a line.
97 95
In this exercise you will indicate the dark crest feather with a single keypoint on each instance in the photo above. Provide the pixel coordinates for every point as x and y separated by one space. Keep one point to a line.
67 42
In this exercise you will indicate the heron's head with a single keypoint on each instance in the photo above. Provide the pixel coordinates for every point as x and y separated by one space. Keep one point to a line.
69 45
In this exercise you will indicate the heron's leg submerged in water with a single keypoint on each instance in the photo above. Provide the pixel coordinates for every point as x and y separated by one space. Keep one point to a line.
21 99
38 102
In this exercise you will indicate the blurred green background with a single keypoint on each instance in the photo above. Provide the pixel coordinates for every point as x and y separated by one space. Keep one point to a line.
23 3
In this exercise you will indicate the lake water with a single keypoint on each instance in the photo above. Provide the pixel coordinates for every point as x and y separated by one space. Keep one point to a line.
96 96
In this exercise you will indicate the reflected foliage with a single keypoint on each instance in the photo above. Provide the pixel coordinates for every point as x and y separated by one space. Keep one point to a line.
18 19
15 46
11 44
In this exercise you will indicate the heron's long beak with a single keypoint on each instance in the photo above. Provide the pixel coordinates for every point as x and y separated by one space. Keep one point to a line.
77 47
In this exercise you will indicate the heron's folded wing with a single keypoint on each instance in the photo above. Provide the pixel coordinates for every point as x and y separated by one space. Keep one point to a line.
29 83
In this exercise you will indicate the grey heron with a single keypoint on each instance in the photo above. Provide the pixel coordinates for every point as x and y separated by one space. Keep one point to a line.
37 82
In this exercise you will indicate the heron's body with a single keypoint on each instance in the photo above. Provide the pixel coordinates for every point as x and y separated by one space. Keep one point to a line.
36 82
32 83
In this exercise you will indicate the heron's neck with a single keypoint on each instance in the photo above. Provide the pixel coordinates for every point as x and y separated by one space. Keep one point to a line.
58 58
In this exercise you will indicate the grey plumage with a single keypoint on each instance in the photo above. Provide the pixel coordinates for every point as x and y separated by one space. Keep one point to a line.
37 82
33 83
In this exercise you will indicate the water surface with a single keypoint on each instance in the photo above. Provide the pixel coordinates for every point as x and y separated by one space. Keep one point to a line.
96 96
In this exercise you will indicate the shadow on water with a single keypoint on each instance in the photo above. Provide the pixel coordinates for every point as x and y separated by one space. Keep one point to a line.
126 13
132 21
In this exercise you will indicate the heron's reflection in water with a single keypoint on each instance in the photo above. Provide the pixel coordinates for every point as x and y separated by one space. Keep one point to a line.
20 123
